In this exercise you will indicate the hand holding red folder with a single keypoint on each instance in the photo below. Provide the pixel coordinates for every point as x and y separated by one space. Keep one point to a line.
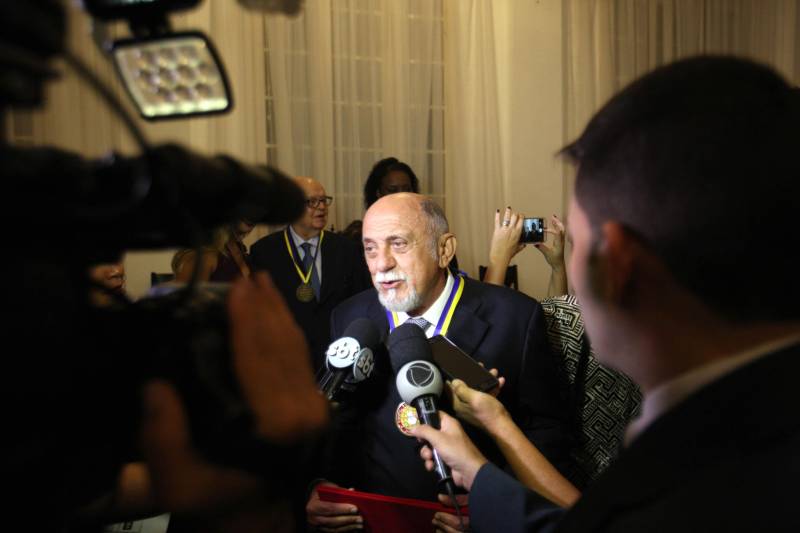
388 514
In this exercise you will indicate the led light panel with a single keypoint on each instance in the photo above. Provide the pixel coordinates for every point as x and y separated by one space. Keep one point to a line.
173 76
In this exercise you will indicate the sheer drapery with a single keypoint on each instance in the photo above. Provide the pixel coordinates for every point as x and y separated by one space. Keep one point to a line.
474 162
351 82
611 42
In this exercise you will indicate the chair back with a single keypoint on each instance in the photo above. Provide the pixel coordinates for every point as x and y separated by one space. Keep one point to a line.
157 278
511 280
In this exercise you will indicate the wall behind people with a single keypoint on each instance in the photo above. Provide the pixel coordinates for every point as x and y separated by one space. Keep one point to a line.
504 123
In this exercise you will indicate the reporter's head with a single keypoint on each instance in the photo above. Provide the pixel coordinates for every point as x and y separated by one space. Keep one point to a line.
698 161
685 181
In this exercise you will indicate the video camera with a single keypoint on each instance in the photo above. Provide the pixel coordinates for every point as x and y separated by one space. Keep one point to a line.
82 367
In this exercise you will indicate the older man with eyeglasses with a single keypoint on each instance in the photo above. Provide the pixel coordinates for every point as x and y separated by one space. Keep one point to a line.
315 269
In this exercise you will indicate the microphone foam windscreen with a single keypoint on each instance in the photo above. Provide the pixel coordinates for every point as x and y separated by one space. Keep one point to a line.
408 343
364 331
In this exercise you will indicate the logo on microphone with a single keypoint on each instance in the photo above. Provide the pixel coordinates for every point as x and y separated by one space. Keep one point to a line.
343 352
420 374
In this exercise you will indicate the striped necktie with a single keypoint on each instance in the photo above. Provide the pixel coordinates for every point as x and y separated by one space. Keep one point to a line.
308 260
419 321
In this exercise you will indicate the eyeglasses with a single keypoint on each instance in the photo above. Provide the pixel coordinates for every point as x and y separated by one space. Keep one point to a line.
314 202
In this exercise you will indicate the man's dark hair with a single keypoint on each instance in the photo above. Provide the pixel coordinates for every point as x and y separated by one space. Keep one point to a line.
380 170
701 160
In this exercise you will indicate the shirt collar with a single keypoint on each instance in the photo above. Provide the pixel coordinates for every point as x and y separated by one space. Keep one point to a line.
434 312
667 395
298 240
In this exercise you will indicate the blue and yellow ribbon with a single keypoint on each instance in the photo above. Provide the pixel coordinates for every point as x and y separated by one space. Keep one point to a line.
304 277
447 313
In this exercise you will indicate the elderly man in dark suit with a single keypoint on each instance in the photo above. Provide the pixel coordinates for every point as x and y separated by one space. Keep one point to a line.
675 175
408 246
314 269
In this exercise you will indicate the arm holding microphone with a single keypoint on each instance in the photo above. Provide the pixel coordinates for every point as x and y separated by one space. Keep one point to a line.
529 465
419 383
497 501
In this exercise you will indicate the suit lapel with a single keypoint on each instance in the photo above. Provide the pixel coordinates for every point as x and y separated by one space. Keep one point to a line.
467 330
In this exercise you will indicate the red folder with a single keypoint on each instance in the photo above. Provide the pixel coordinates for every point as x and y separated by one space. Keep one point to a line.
387 514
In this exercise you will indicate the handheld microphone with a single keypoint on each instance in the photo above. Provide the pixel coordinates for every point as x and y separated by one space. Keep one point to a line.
349 359
419 384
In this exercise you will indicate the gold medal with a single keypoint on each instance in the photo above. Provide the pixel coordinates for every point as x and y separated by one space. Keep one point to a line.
406 418
304 292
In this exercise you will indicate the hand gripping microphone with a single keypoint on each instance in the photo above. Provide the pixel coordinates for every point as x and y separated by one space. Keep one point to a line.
349 359
419 383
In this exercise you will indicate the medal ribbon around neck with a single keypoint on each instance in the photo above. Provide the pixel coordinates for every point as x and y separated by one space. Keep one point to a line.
305 278
447 313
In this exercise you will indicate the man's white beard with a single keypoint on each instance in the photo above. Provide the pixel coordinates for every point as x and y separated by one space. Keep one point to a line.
389 299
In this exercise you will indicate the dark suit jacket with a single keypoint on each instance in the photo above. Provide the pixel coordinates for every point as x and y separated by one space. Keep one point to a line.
503 329
344 274
726 459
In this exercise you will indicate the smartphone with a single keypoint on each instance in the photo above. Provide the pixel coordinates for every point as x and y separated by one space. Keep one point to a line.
456 364
532 230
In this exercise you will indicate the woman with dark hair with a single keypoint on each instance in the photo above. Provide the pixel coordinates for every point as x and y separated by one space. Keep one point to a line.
389 176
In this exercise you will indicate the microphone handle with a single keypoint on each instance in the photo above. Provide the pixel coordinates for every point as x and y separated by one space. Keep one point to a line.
429 414
333 381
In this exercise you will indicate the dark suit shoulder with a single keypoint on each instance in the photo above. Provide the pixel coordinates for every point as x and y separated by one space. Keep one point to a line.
361 305
268 242
339 240
497 299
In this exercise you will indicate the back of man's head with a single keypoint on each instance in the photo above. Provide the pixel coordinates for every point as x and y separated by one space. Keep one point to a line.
699 159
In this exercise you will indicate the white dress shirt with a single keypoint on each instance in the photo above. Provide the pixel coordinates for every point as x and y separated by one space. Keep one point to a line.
434 312
313 241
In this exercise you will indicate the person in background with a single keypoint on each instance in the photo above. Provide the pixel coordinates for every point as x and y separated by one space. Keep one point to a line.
314 269
226 258
505 245
389 176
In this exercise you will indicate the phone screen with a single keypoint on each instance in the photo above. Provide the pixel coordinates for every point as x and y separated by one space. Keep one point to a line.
456 364
532 230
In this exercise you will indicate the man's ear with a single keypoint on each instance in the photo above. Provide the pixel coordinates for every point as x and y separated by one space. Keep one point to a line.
616 253
446 249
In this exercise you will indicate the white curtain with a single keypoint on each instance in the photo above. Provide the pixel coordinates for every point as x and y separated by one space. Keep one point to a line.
474 163
611 42
351 82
